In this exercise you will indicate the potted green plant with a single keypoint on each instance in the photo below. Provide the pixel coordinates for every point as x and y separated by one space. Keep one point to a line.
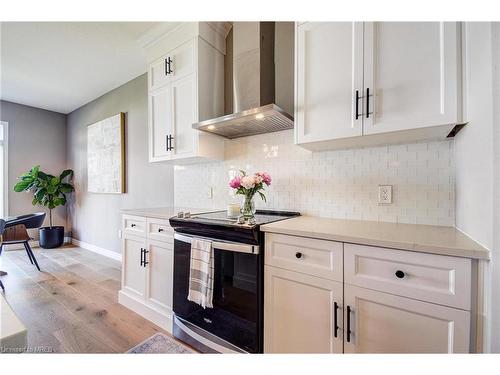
49 191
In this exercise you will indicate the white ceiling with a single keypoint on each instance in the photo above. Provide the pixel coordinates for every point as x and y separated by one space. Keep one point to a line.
60 66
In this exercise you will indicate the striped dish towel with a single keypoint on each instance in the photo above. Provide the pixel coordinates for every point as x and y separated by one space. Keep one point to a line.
201 273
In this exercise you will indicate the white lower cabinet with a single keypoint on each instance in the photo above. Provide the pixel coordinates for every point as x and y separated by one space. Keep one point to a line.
133 274
383 323
303 314
159 267
147 271
398 306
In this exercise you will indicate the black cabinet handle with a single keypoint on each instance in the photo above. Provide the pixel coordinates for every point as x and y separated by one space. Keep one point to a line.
357 104
166 142
145 262
160 230
348 323
368 102
169 142
142 255
298 255
132 225
400 274
168 66
335 326
170 71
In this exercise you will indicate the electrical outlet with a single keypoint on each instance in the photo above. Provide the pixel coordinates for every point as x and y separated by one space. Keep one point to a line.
385 194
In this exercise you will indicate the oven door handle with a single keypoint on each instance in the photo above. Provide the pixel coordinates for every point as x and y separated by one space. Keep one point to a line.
221 245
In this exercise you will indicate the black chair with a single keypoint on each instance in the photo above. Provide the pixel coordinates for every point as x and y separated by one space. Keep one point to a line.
2 226
16 232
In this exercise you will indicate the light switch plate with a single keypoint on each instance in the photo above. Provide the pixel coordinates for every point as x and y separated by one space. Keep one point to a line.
385 194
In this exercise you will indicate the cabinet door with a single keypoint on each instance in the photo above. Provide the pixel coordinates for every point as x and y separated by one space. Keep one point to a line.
184 116
160 123
329 69
133 273
174 65
299 313
159 74
384 323
159 275
411 69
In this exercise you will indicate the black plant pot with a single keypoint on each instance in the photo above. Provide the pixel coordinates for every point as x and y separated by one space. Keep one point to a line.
51 237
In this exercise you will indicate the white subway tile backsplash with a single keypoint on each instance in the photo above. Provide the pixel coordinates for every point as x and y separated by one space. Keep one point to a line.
336 184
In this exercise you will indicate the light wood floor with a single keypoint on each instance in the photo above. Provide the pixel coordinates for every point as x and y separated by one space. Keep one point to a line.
72 305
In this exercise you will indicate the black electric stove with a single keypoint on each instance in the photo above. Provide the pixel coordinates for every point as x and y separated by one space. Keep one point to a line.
216 225
235 322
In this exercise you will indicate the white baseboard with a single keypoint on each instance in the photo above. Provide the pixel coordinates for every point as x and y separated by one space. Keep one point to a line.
161 319
33 244
97 249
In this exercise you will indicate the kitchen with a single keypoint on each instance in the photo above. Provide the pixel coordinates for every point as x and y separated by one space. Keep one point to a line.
300 256
328 187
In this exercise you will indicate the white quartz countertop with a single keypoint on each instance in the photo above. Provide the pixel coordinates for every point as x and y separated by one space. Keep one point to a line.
413 237
13 334
164 212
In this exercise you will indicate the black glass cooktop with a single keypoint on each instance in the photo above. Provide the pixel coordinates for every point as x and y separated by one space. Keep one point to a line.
261 217
217 225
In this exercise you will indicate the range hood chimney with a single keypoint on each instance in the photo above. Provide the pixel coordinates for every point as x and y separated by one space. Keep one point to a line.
253 99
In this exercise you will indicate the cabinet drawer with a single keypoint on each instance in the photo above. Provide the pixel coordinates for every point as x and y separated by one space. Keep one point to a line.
134 225
434 278
306 255
159 230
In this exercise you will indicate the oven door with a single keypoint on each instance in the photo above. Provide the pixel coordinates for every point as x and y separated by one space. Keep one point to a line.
236 313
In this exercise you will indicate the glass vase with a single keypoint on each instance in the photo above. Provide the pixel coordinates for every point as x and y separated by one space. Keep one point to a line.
248 209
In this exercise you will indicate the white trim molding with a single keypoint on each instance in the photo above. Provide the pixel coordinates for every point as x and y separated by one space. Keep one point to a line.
96 249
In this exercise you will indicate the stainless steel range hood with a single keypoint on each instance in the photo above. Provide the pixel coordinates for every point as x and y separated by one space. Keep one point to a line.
253 89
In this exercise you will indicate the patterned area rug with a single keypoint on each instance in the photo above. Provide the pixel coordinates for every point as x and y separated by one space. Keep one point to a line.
160 343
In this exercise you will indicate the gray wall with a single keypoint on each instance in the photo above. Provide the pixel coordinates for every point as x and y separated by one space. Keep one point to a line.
95 218
36 136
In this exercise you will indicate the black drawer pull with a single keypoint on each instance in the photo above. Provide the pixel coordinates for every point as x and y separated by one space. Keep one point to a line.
368 113
142 256
160 230
357 105
335 326
132 225
348 323
400 274
298 255
145 262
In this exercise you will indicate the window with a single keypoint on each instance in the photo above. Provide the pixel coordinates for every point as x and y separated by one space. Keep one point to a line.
3 169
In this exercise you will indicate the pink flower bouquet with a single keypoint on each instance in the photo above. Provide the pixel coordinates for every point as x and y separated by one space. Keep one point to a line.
249 185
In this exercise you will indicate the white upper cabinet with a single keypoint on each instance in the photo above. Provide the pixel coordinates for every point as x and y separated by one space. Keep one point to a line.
174 65
411 69
184 115
160 121
186 85
369 83
329 73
